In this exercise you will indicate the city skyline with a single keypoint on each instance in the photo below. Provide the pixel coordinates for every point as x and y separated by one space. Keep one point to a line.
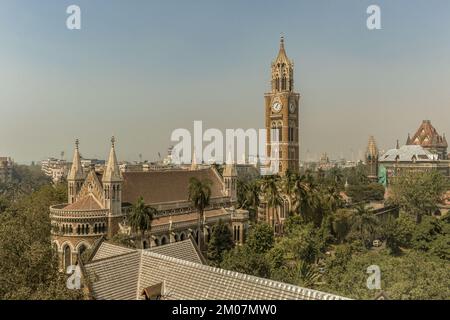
132 73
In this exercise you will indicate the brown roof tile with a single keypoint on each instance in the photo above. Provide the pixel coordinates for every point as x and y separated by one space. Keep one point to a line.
165 186
86 203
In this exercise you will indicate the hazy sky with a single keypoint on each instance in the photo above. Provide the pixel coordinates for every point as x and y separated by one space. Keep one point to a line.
140 69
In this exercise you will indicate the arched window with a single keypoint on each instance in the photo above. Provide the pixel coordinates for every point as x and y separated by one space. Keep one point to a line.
182 236
87 229
163 240
67 258
78 229
81 249
238 233
95 228
144 244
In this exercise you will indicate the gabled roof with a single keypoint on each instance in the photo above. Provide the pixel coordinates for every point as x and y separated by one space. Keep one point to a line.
427 136
184 250
166 185
126 276
88 202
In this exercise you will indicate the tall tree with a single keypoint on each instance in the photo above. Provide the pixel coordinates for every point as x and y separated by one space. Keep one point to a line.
141 218
199 195
364 224
419 193
221 240
270 189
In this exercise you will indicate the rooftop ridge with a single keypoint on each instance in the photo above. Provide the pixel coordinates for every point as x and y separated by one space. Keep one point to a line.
250 278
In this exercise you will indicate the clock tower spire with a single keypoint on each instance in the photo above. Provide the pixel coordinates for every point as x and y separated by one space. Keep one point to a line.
282 116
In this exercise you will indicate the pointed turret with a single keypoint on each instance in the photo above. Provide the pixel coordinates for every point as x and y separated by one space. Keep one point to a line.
408 140
282 56
282 71
112 188
75 178
112 171
76 171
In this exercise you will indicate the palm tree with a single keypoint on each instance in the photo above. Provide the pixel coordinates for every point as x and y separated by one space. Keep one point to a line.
248 197
199 195
141 218
364 223
270 190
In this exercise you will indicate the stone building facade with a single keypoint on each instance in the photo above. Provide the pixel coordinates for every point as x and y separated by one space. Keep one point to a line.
282 113
99 202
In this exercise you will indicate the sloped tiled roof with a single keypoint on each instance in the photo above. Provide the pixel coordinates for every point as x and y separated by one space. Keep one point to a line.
108 250
184 250
408 153
114 278
86 203
165 186
125 276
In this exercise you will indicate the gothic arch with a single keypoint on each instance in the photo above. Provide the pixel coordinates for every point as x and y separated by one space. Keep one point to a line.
55 246
80 245
67 250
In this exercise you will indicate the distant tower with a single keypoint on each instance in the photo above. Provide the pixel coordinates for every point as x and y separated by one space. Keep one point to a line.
230 179
112 185
281 107
194 165
372 160
75 177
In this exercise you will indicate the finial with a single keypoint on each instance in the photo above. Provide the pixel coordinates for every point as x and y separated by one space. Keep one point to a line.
77 143
282 41
113 141
398 146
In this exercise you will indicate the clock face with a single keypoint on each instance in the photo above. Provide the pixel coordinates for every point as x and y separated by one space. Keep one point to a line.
292 107
276 106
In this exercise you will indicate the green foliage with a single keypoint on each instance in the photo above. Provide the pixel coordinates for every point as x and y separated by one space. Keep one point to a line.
427 232
141 217
260 238
419 193
25 180
221 240
369 192
28 264
342 224
409 276
243 259
124 240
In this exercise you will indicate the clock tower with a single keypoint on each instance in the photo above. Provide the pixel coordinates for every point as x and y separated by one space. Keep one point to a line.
282 105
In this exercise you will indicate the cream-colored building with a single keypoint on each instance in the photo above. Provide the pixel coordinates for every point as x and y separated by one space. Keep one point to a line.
99 202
